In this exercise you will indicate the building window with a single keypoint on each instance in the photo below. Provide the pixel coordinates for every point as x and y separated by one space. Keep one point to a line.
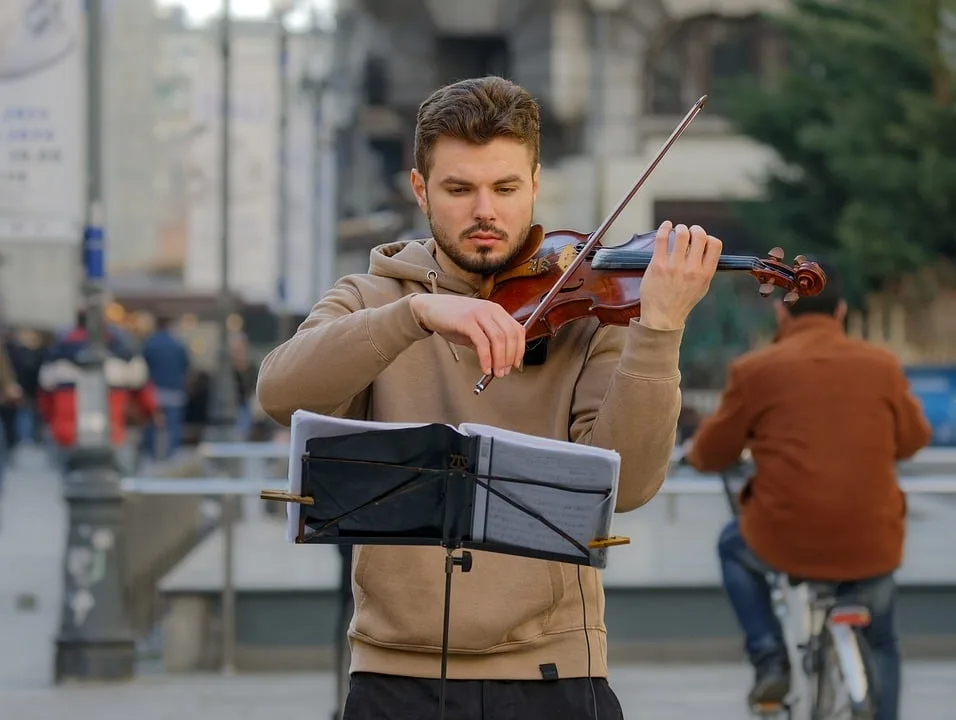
718 218
703 52
470 57
376 82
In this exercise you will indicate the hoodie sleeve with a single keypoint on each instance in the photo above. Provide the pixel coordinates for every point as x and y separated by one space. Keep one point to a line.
335 354
628 399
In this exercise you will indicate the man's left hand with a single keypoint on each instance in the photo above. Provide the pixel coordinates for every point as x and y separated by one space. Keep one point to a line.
677 277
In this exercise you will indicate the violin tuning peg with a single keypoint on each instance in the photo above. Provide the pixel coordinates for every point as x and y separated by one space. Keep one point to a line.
791 297
777 253
766 289
799 260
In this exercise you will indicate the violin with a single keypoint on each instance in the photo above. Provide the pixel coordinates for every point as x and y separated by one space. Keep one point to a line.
563 275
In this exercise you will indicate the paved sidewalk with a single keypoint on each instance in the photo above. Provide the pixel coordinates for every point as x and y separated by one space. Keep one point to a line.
33 525
712 692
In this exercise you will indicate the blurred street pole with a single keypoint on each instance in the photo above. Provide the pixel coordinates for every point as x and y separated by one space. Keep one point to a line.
327 211
223 400
95 641
283 330
603 11
319 81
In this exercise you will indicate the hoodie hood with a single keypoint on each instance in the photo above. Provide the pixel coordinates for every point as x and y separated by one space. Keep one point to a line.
415 260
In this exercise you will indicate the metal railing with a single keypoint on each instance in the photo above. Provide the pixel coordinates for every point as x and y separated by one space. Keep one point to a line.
252 479
924 475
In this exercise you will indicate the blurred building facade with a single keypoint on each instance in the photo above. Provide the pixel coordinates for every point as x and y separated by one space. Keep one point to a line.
613 78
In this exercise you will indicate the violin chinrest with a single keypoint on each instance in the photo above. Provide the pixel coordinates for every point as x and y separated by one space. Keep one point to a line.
531 245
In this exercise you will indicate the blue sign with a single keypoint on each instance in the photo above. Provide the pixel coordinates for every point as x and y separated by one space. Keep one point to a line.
935 387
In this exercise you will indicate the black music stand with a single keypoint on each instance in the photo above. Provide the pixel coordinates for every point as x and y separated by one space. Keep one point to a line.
414 486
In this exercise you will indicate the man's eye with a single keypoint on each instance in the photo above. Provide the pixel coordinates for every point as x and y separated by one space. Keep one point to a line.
458 190
507 190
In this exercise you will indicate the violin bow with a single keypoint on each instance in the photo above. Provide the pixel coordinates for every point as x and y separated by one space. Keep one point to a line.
598 234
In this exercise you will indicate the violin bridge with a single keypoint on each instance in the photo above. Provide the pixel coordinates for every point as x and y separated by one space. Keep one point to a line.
568 253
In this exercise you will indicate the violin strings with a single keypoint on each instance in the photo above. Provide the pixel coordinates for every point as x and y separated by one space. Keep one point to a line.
624 259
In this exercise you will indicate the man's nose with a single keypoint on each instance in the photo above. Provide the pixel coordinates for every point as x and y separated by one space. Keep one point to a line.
484 205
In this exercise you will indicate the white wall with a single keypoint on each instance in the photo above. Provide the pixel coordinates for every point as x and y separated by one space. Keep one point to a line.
697 167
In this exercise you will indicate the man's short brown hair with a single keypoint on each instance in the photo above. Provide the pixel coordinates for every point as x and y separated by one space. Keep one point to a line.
477 110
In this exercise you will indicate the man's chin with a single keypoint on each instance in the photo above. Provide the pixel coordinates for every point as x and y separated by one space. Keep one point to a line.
487 262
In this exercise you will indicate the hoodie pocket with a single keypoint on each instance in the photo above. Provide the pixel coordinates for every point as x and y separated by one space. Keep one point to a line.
503 600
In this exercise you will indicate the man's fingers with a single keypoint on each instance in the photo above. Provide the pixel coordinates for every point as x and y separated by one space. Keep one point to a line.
697 245
511 342
712 253
521 342
516 341
662 241
514 331
498 339
681 241
506 336
482 345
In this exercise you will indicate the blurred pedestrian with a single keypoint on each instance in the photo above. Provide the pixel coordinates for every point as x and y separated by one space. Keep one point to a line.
131 393
168 360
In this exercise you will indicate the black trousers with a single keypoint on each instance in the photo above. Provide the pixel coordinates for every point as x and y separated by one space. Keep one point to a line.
390 697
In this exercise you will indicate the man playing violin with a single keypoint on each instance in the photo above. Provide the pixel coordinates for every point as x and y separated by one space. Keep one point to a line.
826 418
404 343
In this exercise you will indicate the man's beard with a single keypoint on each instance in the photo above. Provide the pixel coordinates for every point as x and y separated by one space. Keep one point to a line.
481 263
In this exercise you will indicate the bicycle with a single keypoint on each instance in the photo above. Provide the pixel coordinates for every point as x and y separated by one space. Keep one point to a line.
829 656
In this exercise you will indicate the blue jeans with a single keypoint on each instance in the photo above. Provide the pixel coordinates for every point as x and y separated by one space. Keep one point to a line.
173 419
747 589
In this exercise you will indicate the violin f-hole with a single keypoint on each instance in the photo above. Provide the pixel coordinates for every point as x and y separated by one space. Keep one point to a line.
571 288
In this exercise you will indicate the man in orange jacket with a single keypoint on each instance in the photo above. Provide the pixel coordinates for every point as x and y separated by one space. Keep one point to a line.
826 418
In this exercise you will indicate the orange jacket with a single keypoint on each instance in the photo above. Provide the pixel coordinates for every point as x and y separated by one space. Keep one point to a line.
826 418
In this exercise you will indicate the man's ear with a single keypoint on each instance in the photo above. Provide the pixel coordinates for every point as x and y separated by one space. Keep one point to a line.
535 179
418 187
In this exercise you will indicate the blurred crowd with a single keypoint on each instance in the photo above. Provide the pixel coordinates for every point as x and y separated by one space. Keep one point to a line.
159 394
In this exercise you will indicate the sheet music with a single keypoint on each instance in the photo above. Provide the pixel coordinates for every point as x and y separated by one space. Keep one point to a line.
583 516
505 454
482 467
307 425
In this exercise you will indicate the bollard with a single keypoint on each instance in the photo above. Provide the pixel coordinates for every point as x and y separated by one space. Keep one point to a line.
95 641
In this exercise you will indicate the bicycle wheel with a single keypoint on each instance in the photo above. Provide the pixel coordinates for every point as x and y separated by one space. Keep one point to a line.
845 680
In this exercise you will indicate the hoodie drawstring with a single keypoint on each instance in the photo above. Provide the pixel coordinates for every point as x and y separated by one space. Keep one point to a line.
433 276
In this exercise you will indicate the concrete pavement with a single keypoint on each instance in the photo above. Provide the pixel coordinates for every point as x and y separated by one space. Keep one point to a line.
33 525
647 693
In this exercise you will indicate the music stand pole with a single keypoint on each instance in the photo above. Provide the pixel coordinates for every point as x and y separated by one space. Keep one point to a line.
451 560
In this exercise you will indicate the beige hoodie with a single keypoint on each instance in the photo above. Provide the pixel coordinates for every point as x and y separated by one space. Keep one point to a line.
361 354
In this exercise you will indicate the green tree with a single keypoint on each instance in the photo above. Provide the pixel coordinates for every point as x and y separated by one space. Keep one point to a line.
863 120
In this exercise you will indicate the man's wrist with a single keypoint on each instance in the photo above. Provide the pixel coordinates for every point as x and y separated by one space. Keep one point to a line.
659 322
414 307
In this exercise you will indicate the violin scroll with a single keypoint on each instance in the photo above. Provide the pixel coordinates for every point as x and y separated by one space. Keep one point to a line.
801 279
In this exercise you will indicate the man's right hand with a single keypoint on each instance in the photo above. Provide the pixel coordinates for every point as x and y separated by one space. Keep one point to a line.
482 325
